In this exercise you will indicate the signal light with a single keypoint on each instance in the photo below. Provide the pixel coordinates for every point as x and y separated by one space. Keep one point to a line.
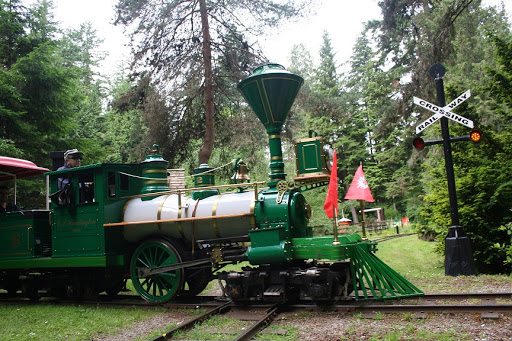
475 135
418 143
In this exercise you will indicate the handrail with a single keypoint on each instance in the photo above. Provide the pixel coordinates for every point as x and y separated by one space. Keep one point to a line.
185 190
178 219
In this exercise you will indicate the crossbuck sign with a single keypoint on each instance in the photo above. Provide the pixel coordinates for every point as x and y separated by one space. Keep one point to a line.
443 112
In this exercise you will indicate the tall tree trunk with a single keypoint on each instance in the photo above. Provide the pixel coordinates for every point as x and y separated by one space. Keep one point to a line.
206 150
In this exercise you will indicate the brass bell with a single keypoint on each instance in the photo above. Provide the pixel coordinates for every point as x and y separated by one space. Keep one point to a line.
242 173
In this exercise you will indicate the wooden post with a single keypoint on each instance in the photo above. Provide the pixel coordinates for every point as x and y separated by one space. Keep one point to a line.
335 226
363 222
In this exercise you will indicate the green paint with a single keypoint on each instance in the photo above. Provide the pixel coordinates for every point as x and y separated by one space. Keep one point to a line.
162 287
154 173
271 91
64 262
204 177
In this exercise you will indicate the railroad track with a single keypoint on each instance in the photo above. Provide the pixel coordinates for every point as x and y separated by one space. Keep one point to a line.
213 301
419 307
269 313
385 238
488 305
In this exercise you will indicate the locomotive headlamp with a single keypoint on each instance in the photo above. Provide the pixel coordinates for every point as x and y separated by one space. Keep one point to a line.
308 211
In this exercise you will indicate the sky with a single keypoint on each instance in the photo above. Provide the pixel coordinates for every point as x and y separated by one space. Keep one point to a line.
342 19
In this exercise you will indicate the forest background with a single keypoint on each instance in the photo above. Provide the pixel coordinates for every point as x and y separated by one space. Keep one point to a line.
181 94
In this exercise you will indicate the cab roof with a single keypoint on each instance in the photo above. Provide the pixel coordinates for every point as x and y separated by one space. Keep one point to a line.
13 168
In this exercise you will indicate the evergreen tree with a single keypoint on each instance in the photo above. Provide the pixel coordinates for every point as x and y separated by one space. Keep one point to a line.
80 49
37 92
180 43
326 80
13 21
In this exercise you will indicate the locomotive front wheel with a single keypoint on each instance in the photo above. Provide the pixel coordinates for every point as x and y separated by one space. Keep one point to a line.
196 281
161 287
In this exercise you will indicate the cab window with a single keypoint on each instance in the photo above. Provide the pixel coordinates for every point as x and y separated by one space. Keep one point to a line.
86 188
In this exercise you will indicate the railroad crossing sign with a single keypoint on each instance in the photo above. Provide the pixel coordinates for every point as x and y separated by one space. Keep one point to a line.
458 254
443 112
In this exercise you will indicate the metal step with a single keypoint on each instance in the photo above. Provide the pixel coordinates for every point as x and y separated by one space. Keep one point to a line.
274 290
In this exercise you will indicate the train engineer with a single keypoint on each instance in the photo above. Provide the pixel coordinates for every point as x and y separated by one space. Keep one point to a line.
72 158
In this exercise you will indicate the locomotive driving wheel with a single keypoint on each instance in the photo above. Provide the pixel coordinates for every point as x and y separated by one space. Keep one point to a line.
160 287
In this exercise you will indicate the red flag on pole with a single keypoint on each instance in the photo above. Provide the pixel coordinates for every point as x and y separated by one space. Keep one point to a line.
359 189
331 200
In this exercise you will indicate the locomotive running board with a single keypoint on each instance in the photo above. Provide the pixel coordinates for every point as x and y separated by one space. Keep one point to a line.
372 278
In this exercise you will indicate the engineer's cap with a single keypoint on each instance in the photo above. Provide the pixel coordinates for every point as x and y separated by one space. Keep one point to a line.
72 152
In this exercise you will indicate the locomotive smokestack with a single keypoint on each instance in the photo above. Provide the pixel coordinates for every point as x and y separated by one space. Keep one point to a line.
271 91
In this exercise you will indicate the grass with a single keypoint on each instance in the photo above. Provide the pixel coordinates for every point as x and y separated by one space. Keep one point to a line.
411 257
416 260
54 322
410 333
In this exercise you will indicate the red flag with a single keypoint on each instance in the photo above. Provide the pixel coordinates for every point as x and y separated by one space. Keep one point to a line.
359 189
331 200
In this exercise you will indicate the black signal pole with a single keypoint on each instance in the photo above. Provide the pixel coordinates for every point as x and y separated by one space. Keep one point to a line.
458 253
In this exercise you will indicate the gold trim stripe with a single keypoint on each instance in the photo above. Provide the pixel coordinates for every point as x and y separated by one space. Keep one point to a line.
274 137
159 213
276 158
317 138
180 222
253 218
163 171
192 227
156 181
214 213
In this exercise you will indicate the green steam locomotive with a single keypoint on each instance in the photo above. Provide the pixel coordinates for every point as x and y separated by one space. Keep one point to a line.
114 222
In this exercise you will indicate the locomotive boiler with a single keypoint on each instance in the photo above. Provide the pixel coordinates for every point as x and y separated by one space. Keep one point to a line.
121 221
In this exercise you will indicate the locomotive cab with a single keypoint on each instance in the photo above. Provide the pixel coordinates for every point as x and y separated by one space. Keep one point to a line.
95 195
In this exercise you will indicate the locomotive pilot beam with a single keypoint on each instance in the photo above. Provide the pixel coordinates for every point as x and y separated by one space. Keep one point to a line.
120 221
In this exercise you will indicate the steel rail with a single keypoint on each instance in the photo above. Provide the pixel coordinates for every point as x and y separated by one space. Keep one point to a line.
264 322
248 334
461 296
405 308
208 301
441 308
189 324
384 238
